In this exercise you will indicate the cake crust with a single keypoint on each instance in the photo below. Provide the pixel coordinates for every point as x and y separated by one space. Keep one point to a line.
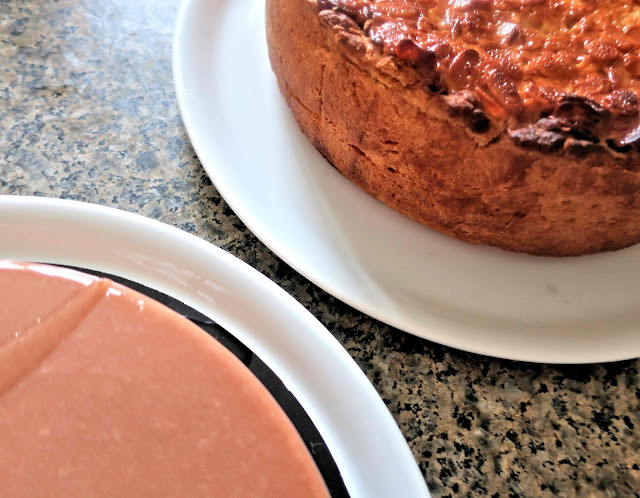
439 157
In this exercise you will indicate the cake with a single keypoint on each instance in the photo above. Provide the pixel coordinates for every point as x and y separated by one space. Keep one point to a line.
105 392
512 123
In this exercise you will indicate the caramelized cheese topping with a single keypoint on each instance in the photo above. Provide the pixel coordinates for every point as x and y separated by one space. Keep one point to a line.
522 59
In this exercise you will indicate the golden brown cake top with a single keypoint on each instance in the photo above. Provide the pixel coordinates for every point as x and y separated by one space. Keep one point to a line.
521 58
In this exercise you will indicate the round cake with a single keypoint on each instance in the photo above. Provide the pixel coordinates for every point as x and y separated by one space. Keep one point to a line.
512 123
105 392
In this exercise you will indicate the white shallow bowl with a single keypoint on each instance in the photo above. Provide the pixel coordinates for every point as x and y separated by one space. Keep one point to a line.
364 440
480 299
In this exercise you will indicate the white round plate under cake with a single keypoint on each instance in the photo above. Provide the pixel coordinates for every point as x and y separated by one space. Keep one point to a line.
480 299
364 440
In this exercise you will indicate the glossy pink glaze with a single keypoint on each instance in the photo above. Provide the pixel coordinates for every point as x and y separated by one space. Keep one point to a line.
131 399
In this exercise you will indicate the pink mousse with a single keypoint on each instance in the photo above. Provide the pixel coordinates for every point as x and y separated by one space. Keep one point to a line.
105 392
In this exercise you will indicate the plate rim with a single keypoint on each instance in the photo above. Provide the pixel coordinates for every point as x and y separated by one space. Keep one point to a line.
43 214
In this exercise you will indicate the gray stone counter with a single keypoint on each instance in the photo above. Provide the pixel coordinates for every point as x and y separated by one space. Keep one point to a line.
88 112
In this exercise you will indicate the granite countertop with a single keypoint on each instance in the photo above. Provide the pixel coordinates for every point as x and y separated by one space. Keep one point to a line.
88 112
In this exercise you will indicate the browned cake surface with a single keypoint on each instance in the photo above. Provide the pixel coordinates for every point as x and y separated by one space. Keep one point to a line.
478 139
520 57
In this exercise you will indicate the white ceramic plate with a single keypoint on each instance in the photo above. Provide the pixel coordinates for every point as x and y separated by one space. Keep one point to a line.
364 440
571 310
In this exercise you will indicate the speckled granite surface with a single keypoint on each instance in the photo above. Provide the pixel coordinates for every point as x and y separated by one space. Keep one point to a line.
88 112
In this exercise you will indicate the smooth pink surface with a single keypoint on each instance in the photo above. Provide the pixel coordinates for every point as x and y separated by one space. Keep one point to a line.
27 296
135 400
